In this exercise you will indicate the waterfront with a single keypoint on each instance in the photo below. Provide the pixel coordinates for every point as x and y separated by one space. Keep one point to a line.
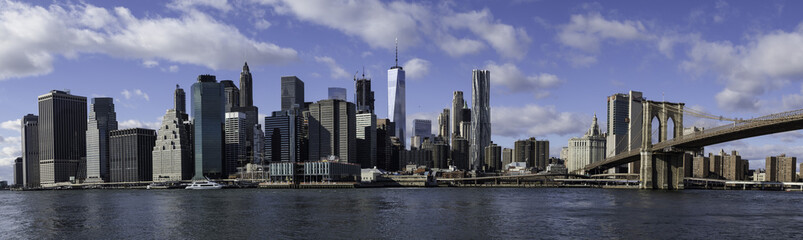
417 213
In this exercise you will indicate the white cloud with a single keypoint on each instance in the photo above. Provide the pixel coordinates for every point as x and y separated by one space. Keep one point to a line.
581 60
262 24
509 41
514 80
585 32
185 5
34 36
12 125
535 120
337 71
135 93
172 68
150 63
132 123
416 68
458 47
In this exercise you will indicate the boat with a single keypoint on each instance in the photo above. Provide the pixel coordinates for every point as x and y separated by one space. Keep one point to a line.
204 185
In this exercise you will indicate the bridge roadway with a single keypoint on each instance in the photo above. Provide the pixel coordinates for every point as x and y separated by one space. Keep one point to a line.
774 123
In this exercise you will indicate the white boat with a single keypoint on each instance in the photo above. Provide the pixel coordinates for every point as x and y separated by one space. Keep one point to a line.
203 185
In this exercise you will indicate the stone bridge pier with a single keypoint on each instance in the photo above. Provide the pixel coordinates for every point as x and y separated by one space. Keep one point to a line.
662 169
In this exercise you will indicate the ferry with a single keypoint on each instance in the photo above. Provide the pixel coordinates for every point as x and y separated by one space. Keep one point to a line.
203 185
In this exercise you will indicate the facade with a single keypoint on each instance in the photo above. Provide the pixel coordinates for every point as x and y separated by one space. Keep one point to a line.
258 146
421 128
587 149
30 150
172 152
131 155
246 87
624 125
292 92
282 137
208 102
440 154
332 130
384 146
397 100
493 158
460 153
700 165
507 156
18 172
781 168
480 117
363 95
733 167
180 102
236 136
366 140
443 125
337 93
62 137
251 115
231 96
102 119
458 104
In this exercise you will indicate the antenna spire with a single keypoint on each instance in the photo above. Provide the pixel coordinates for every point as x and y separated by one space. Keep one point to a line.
397 51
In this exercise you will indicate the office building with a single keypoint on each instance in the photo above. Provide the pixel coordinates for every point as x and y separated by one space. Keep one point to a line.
493 158
282 137
507 156
231 95
480 117
18 172
236 135
384 146
460 150
422 129
131 155
588 149
258 147
208 102
397 103
443 125
337 93
62 137
172 151
180 102
363 95
624 126
458 104
292 93
332 131
440 153
246 87
781 168
366 140
102 119
251 115
30 150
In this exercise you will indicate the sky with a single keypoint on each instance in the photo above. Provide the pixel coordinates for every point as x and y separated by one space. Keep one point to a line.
552 63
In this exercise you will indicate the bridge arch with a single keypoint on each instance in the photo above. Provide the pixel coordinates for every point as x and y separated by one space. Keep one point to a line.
662 111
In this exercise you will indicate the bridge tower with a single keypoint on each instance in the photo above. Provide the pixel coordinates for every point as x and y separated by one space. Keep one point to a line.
661 168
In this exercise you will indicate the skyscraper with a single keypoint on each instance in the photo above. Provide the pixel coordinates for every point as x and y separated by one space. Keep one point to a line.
172 151
480 117
292 92
208 104
366 140
232 95
332 130
397 103
131 154
363 95
236 133
384 145
460 151
493 158
102 119
422 128
18 172
30 150
246 87
180 101
624 125
251 115
443 125
337 93
458 104
62 136
283 137
587 149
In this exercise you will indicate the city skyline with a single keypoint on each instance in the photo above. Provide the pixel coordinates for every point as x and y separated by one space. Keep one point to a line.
599 52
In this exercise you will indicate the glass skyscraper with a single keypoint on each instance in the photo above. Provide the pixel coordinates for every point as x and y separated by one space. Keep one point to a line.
208 113
397 104
102 119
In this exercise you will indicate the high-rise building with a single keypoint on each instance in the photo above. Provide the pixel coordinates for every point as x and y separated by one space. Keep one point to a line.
440 153
258 147
62 137
588 149
458 104
384 145
236 133
332 131
493 158
733 166
363 95
18 172
624 126
366 140
180 102
172 151
460 150
283 137
131 155
102 119
397 103
231 96
507 156
337 93
208 102
781 168
30 150
700 166
480 117
443 125
292 92
246 87
422 128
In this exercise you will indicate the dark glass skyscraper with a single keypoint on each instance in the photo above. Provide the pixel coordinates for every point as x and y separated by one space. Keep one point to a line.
180 100
102 119
62 136
363 96
30 150
232 95
282 137
131 157
292 92
208 104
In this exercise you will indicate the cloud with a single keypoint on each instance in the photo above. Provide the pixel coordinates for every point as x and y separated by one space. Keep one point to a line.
135 93
416 68
12 124
581 60
458 47
150 63
535 120
184 5
132 123
262 24
514 80
172 68
766 62
337 71
585 32
507 40
34 36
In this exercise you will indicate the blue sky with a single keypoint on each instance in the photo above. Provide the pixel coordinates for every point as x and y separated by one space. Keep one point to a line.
552 62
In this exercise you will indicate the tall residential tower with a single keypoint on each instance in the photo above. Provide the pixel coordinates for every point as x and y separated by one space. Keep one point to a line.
480 117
